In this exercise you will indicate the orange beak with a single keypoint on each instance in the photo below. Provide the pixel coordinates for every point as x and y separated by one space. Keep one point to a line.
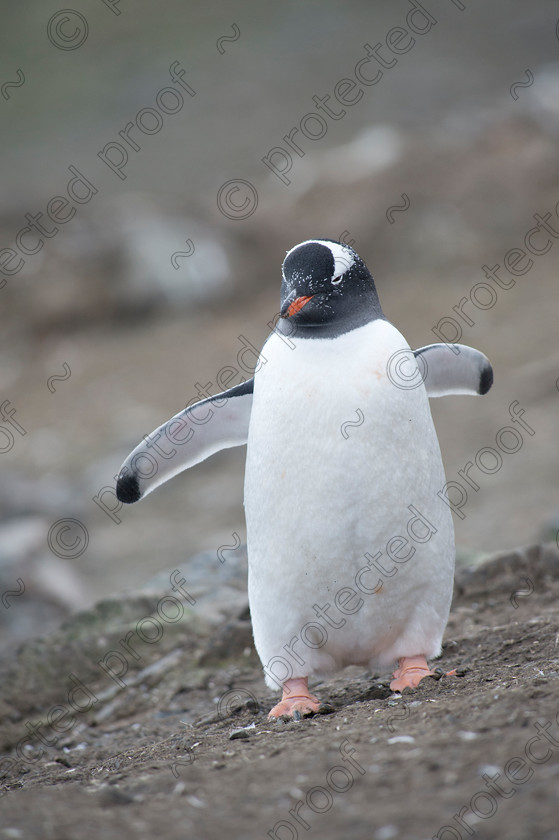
298 304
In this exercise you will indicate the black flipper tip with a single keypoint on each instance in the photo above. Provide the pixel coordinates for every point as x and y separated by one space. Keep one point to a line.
128 488
485 379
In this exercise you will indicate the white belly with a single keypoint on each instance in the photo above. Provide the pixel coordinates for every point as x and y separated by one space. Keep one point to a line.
323 498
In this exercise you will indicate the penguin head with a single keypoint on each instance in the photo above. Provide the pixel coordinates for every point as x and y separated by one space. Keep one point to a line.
327 288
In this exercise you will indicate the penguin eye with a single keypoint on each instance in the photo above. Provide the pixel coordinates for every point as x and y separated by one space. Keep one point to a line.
337 280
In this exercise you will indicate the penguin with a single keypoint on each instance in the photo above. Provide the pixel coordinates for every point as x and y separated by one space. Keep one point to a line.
350 538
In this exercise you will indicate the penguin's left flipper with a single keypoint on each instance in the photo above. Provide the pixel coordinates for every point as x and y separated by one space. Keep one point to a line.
189 437
453 369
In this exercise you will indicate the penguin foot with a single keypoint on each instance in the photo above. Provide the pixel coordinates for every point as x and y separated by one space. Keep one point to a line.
412 670
296 701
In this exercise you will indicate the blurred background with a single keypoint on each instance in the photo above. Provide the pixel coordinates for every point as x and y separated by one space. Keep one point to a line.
158 160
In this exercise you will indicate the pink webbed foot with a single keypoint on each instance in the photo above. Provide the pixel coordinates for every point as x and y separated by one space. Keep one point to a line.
296 701
411 670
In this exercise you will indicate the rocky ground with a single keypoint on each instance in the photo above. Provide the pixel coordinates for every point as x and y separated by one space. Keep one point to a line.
169 736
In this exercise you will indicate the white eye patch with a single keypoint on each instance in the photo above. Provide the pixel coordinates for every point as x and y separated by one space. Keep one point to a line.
343 257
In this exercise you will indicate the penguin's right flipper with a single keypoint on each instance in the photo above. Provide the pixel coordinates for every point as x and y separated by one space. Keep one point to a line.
453 369
186 439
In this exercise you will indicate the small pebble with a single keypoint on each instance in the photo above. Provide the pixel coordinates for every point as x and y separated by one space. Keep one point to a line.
243 733
489 769
402 739
195 802
386 832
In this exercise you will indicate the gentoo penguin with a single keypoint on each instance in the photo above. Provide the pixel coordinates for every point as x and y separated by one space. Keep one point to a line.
350 539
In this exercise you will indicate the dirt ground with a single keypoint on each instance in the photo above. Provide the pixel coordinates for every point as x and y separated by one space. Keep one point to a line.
179 744
475 755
